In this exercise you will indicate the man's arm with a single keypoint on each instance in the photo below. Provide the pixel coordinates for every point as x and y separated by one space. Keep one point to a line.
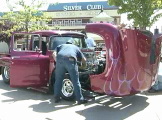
54 55
83 62
55 52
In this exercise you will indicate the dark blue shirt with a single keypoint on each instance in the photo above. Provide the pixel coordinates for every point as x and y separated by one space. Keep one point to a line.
69 50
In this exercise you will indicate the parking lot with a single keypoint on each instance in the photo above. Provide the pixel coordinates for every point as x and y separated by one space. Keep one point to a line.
25 104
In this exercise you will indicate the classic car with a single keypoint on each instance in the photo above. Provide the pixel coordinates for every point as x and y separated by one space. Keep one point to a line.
129 65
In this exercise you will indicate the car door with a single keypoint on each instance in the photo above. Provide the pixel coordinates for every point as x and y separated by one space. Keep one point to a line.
29 67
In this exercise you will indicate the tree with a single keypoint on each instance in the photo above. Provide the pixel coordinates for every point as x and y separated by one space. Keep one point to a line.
26 18
143 12
4 26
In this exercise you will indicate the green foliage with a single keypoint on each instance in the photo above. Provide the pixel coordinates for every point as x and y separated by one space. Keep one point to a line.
4 26
142 12
28 18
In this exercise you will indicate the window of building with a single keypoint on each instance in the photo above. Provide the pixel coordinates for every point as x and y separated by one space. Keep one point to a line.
67 22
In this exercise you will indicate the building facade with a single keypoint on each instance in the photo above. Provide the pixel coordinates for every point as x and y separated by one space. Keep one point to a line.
75 15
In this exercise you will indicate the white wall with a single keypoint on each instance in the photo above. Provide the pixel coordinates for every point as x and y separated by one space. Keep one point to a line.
4 47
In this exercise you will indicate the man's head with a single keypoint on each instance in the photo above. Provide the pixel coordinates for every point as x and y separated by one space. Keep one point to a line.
70 41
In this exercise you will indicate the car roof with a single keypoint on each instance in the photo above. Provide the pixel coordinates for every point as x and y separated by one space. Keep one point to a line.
52 32
57 32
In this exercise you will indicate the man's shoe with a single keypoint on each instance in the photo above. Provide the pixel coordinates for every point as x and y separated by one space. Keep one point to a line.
57 100
82 101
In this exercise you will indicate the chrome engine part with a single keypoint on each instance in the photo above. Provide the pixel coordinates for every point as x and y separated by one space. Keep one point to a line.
94 61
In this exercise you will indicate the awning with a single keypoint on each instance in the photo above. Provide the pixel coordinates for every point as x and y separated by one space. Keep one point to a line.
102 16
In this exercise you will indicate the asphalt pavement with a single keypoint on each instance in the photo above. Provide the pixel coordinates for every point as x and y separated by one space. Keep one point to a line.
25 104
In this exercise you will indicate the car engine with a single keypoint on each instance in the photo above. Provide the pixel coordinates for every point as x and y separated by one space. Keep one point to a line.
95 61
95 64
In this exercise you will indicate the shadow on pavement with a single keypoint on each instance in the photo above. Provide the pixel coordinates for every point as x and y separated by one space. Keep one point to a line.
18 94
115 108
44 102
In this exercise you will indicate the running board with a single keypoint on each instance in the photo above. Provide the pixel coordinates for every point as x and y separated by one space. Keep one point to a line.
41 89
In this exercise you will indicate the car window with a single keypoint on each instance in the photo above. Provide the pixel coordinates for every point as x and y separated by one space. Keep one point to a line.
23 42
58 40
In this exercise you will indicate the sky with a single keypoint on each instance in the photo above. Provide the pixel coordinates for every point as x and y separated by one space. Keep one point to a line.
4 8
3 5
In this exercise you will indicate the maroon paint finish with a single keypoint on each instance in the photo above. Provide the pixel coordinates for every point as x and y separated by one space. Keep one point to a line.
5 61
29 70
131 61
128 68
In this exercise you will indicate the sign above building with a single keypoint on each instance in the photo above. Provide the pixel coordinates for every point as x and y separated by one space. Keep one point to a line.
79 6
80 14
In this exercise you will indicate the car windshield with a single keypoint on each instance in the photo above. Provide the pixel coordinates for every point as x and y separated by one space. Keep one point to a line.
58 40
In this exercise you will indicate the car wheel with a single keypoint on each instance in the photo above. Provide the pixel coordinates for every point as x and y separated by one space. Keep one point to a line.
67 91
6 74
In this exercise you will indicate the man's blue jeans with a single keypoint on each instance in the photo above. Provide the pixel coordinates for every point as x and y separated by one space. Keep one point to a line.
64 64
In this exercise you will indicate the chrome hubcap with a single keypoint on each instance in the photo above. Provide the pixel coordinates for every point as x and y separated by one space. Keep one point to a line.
67 88
6 72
